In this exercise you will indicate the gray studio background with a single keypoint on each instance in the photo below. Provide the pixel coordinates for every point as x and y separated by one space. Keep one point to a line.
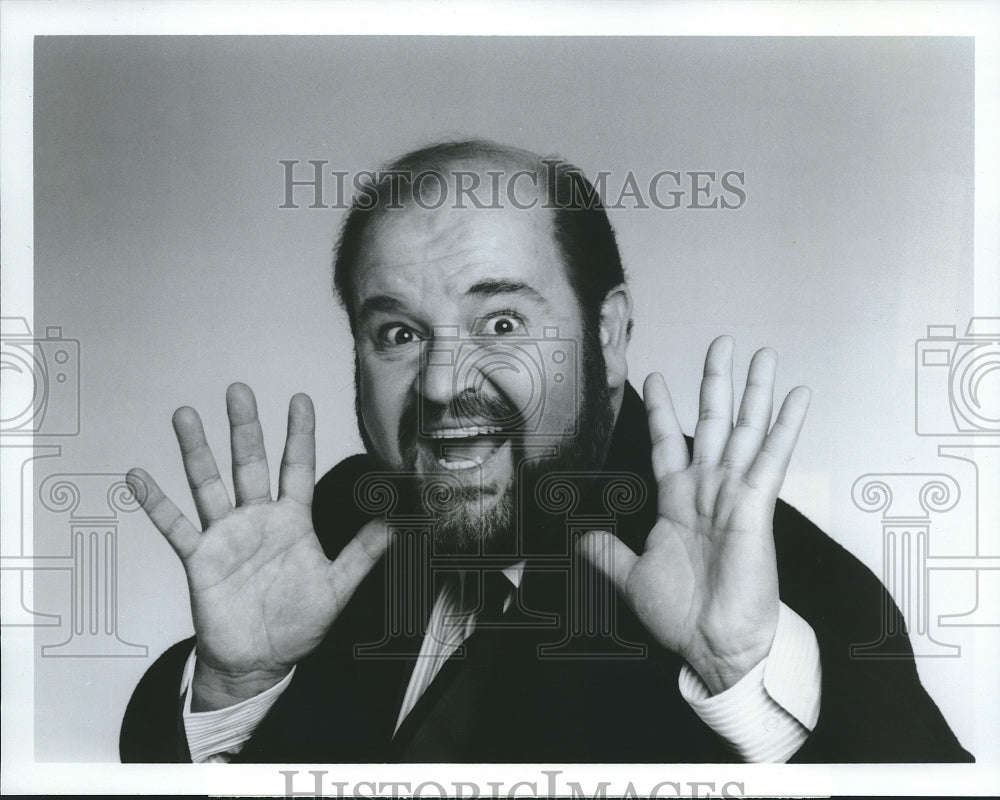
161 247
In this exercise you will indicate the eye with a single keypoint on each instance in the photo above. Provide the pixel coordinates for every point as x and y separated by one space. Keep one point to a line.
502 324
396 335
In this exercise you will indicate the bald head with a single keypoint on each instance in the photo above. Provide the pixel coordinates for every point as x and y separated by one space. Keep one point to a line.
475 176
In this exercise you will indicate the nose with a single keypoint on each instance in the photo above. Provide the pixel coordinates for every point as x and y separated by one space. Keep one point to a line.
438 377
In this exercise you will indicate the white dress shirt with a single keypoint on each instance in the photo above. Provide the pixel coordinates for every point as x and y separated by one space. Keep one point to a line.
765 717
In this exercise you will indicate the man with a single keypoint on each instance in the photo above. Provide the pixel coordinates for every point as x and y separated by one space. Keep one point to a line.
583 583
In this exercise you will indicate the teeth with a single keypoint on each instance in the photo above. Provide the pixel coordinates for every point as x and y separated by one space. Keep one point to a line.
461 463
464 433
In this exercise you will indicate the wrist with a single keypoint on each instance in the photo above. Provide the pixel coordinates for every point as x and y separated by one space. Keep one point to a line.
720 675
721 669
213 688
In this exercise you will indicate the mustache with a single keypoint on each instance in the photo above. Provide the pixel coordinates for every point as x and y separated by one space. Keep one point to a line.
470 406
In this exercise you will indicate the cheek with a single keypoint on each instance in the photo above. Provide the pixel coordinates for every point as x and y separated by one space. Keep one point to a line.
549 403
562 384
382 394
561 403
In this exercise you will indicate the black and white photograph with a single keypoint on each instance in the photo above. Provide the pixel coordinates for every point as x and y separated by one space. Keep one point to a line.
500 400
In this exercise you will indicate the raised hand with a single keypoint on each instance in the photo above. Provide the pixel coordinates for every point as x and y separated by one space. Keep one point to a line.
706 584
263 593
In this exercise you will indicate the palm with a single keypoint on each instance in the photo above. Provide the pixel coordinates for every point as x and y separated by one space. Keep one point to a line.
260 588
694 567
706 583
263 592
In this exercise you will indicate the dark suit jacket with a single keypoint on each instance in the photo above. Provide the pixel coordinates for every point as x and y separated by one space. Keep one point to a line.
553 684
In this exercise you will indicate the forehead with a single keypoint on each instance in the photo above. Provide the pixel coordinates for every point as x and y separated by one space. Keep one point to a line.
419 253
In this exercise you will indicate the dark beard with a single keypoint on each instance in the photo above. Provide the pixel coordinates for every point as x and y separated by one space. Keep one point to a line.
511 526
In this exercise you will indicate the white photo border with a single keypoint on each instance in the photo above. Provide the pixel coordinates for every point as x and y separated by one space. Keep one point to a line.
21 21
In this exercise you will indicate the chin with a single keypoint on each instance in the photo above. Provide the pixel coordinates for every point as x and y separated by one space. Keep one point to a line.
475 523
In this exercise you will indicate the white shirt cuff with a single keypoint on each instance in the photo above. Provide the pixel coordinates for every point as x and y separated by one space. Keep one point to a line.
218 735
768 714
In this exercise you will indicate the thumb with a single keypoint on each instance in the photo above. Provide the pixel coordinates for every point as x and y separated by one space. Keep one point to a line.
609 554
359 556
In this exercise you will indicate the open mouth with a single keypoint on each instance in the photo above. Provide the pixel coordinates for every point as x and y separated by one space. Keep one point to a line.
467 447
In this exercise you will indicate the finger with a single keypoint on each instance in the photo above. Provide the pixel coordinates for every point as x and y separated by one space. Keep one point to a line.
768 469
298 464
715 406
250 476
754 418
164 515
610 555
210 495
670 453
358 557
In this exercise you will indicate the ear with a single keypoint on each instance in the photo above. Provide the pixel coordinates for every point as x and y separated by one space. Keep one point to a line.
616 313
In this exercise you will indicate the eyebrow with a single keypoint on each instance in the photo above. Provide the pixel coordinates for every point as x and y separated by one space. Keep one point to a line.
492 288
380 302
386 303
